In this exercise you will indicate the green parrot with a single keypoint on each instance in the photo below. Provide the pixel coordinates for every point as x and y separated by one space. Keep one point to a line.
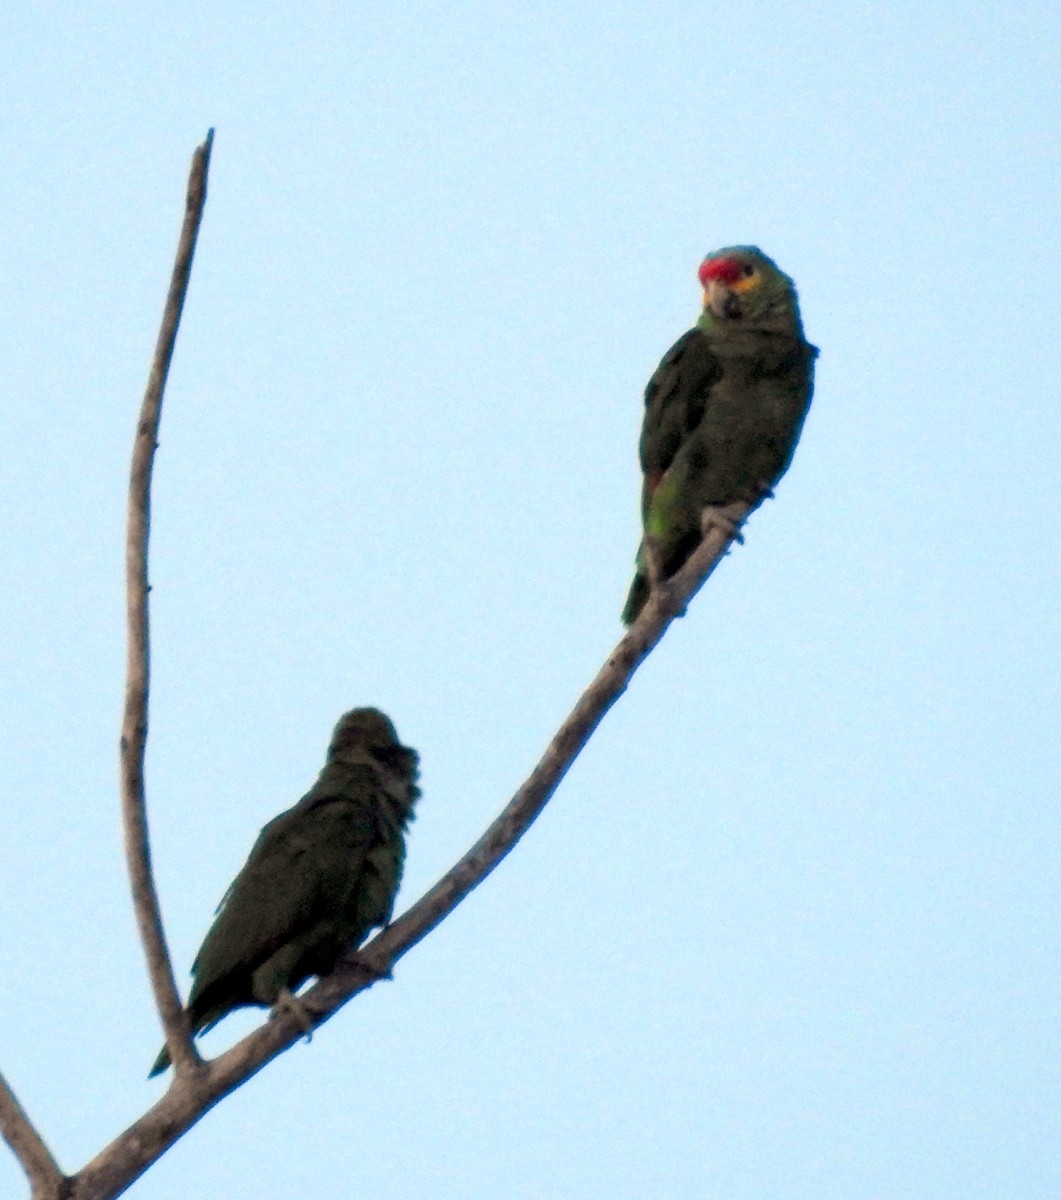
319 877
724 410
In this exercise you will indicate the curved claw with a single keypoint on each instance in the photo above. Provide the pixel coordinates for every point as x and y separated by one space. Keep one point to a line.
288 1004
717 517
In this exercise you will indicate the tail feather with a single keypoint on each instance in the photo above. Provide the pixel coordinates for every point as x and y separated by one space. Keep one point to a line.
200 1022
635 601
161 1063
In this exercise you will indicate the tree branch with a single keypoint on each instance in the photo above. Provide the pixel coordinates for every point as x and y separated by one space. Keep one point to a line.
134 722
27 1145
664 604
192 1095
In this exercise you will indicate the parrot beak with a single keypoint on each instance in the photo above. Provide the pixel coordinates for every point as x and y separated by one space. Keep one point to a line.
720 300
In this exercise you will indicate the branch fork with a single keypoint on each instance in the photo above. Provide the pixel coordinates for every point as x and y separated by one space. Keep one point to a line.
197 1085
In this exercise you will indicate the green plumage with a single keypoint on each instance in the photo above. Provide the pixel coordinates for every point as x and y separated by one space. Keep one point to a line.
319 878
724 409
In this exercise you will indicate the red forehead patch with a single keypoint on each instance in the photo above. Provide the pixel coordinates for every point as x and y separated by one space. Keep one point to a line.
725 270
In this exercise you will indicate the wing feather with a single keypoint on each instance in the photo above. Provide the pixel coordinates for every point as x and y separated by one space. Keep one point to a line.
676 399
304 866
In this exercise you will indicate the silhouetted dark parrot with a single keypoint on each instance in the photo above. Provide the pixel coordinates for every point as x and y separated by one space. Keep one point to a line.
319 878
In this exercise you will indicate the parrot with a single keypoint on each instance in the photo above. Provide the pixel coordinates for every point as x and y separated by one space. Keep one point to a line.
724 409
320 876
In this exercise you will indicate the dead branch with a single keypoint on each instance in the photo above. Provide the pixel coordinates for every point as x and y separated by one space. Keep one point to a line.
134 722
197 1086
27 1145
192 1095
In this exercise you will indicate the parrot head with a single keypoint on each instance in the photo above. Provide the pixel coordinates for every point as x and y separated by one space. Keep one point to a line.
742 285
368 731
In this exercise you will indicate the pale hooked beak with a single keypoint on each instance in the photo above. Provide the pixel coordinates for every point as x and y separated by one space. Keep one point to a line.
720 300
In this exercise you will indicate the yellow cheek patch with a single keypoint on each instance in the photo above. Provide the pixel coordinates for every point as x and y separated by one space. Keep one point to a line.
746 283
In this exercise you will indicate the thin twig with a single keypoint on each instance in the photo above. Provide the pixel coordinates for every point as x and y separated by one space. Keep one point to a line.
28 1146
134 722
191 1096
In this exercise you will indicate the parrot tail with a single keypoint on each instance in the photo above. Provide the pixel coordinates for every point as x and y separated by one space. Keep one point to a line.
635 601
161 1063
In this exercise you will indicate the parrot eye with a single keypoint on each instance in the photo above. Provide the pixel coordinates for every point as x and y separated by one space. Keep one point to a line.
747 270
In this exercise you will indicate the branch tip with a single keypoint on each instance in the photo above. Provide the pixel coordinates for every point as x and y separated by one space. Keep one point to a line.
133 742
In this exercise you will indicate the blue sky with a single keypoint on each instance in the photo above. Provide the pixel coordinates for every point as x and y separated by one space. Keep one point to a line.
790 927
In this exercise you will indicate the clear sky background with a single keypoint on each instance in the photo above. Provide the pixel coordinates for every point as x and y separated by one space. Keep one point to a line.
790 928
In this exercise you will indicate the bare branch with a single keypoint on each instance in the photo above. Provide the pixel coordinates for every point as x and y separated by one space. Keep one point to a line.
28 1146
667 601
134 722
192 1095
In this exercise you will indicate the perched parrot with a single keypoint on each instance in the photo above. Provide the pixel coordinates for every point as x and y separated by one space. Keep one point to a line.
319 877
723 411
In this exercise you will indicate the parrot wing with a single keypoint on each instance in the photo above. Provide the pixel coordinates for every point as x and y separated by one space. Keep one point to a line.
676 399
302 867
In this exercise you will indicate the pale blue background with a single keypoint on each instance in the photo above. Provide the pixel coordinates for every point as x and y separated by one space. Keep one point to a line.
791 927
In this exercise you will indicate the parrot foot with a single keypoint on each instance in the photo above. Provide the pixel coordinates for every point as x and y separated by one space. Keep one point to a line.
714 517
289 1005
353 958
